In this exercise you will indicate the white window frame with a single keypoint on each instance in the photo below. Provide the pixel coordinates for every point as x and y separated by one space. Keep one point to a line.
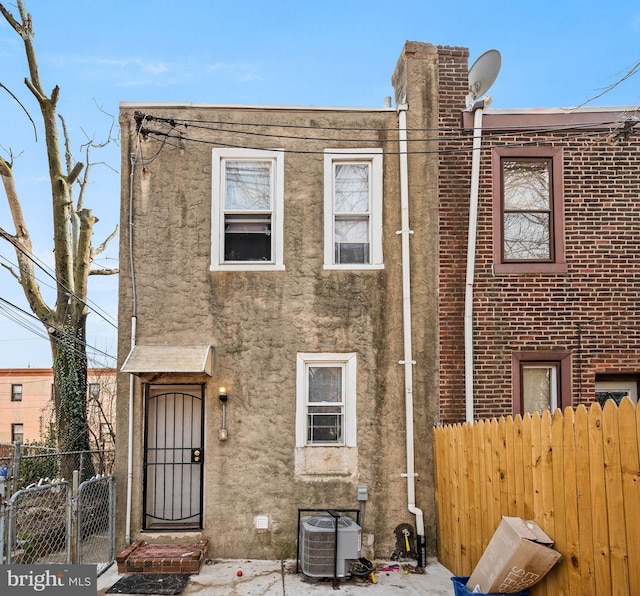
373 157
347 361
628 387
219 155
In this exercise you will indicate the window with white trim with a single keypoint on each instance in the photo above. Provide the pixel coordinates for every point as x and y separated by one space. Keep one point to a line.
353 209
326 399
247 209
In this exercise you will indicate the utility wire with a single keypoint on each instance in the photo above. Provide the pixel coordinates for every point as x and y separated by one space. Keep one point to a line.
202 125
439 150
26 323
43 267
42 283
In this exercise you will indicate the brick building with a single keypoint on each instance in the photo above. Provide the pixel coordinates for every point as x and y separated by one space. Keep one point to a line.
557 275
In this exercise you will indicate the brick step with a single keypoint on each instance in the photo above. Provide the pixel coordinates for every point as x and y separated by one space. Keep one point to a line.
142 557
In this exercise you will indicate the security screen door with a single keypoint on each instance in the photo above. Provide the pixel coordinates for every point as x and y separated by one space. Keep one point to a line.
173 457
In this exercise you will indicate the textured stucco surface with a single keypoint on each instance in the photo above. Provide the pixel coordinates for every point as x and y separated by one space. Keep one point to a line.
259 321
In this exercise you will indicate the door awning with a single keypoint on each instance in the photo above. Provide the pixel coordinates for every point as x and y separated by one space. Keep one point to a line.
169 359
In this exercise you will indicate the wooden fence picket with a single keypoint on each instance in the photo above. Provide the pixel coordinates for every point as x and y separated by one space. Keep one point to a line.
630 467
583 479
615 500
599 520
571 562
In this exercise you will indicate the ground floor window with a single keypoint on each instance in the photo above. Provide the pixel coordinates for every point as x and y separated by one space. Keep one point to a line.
541 380
326 399
17 433
616 387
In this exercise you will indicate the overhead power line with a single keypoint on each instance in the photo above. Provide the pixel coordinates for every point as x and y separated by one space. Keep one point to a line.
26 320
44 268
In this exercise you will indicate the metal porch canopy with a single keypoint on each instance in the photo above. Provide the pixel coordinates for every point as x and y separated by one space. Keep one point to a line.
169 359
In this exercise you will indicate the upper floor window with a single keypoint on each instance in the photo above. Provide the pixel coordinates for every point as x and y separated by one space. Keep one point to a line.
528 210
247 210
353 209
541 380
94 390
326 395
16 392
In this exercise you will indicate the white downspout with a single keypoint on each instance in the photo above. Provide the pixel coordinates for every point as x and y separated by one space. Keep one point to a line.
134 310
478 108
408 361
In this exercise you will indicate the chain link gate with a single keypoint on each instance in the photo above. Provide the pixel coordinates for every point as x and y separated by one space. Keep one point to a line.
47 524
95 525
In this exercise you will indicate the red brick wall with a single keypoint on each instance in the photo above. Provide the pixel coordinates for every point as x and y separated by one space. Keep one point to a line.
537 311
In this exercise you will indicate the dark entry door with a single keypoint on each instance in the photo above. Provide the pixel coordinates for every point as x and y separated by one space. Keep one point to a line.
174 456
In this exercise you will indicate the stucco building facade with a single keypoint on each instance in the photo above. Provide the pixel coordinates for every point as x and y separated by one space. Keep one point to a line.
289 256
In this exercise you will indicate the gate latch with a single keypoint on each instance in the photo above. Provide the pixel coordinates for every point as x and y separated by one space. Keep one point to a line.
197 456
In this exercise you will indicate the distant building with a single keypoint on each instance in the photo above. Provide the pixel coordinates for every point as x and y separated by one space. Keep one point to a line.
27 405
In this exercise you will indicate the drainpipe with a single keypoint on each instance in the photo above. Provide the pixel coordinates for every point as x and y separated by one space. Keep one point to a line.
408 361
134 309
477 108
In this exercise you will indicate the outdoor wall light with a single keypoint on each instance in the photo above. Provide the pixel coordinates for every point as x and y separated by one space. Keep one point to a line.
223 435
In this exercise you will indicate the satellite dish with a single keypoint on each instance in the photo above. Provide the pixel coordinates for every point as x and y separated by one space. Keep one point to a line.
483 73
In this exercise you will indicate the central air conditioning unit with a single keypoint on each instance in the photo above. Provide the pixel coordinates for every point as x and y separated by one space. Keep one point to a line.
317 545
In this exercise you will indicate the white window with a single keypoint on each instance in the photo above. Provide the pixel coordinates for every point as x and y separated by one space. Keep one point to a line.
616 389
247 210
353 209
326 400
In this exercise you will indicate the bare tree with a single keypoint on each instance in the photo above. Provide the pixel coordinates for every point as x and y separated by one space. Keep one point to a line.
65 323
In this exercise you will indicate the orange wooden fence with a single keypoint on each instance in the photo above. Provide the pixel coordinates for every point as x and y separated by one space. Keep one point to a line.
576 474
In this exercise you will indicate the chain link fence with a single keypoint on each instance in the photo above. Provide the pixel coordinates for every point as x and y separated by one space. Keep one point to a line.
45 521
95 527
39 525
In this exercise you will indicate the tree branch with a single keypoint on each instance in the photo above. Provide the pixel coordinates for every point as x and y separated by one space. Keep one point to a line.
12 271
104 271
103 246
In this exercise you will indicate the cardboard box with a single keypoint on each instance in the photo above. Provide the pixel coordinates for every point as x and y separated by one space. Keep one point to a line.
519 555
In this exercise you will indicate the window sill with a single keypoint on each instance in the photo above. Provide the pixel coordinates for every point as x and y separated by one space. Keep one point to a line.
353 267
505 268
324 463
247 267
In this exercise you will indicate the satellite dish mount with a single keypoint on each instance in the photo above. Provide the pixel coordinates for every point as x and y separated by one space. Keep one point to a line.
482 75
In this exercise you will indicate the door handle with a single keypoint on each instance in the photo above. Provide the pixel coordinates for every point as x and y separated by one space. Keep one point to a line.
197 455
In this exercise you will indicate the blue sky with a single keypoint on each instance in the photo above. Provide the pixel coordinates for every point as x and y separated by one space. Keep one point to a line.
322 52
